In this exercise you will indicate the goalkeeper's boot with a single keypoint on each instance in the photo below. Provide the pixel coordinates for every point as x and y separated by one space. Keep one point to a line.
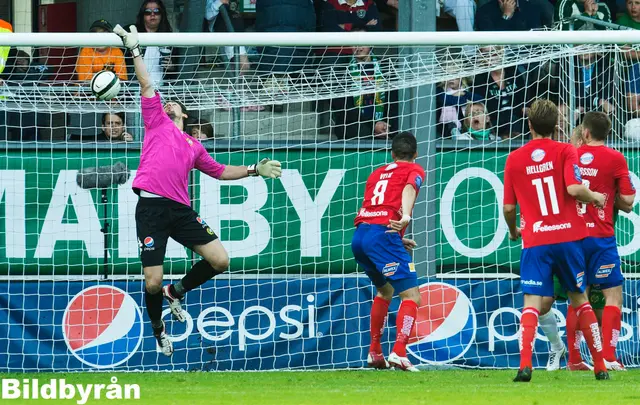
555 357
603 375
582 366
401 363
174 305
377 360
166 347
614 365
523 375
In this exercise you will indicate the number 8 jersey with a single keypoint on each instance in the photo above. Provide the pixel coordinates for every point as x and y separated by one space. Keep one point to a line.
536 176
383 193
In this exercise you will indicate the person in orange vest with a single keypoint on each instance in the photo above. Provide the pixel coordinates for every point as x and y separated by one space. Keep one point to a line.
92 60
5 27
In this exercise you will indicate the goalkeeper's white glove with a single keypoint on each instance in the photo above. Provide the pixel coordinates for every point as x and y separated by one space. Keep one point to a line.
266 168
129 39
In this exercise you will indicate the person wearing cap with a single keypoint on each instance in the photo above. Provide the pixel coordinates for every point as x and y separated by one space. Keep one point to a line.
92 60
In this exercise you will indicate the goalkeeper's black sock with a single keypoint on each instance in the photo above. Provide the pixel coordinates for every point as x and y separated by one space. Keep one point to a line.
199 274
154 307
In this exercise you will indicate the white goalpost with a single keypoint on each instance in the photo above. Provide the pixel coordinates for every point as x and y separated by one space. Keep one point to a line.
326 105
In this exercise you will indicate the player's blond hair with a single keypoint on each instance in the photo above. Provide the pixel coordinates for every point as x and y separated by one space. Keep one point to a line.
543 117
576 137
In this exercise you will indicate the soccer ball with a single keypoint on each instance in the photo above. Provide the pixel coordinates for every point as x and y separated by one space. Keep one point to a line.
105 85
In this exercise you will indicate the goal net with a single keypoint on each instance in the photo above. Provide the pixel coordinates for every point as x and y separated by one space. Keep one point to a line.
71 292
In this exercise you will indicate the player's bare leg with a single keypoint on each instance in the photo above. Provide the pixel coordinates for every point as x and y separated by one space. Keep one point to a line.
378 318
407 314
528 327
549 326
153 301
611 324
215 261
591 331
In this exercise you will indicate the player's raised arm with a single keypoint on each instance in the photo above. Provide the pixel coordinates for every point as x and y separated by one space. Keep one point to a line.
131 42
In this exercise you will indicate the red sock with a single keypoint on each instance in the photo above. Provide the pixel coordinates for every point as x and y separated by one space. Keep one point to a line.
574 336
611 323
404 323
591 332
379 311
528 327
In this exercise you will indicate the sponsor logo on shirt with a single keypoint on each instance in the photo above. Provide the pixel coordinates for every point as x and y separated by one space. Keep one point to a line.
588 171
579 279
541 168
148 241
389 269
200 221
412 267
586 158
539 227
209 231
418 181
361 13
189 141
576 173
391 167
537 155
371 214
531 283
591 225
605 270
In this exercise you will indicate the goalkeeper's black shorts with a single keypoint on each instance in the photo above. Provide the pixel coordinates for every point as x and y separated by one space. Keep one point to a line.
157 219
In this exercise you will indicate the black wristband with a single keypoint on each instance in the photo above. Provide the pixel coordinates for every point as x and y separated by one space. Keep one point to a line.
252 170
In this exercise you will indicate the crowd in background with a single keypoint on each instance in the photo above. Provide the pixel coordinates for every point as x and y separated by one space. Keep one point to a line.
491 105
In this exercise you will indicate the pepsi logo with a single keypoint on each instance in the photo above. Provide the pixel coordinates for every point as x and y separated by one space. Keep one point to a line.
200 221
102 326
445 327
537 155
148 241
586 158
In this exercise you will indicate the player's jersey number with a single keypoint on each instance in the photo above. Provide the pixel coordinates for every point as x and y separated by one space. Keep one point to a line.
583 206
555 209
378 192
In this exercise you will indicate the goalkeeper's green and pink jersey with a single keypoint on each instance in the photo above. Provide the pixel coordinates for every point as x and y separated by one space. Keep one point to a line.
169 155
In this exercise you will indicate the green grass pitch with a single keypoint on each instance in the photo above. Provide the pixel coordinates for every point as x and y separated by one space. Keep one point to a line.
450 387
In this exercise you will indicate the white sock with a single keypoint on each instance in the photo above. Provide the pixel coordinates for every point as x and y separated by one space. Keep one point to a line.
549 326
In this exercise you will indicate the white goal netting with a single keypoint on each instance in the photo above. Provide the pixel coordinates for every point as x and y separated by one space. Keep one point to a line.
71 290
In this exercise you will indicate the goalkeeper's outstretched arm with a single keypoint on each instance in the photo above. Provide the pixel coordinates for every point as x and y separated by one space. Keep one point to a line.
131 42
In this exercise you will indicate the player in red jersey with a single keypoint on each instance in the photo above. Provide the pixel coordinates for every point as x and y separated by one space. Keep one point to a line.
379 247
603 170
544 178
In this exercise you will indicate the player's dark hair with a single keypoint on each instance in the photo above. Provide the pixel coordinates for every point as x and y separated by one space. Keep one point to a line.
598 124
543 117
404 146
182 107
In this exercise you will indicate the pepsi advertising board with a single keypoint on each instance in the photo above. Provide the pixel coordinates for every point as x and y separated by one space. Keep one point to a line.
259 324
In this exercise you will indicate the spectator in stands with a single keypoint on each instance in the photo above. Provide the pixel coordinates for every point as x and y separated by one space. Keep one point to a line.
631 17
113 129
565 9
20 69
284 16
212 10
92 60
451 98
462 10
349 15
504 94
161 62
477 123
364 115
514 15
201 130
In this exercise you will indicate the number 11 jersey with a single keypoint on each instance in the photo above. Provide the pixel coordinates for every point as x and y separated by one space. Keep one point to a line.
383 193
536 176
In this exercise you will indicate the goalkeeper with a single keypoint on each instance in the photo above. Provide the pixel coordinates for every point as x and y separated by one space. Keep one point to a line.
164 210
